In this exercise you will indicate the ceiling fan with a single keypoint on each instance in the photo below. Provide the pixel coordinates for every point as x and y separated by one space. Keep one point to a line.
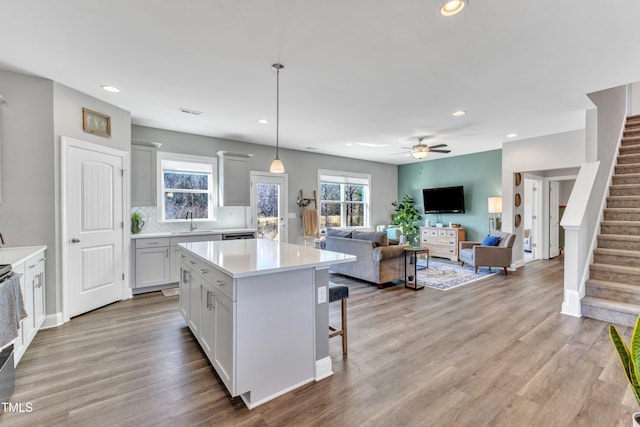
420 150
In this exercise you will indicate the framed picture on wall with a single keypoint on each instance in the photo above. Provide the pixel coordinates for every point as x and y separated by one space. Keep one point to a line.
96 123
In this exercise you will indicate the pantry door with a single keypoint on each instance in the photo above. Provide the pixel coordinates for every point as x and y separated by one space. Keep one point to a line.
93 250
269 206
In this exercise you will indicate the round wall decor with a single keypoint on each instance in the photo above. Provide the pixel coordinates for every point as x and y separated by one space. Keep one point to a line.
518 200
518 178
518 220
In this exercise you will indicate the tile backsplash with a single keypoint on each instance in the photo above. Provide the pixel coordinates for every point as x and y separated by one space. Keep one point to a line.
228 217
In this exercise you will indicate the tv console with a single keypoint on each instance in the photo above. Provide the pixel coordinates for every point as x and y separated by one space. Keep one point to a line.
442 242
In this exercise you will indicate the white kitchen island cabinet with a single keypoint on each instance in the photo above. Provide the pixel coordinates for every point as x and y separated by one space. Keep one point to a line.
259 311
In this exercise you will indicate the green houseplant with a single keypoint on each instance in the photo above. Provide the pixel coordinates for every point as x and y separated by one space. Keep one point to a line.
405 217
630 359
136 222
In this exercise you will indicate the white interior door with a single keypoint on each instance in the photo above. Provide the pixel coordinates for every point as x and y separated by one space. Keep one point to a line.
269 205
93 228
554 219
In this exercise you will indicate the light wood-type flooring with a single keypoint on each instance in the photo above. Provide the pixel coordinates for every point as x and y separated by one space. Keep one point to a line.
493 353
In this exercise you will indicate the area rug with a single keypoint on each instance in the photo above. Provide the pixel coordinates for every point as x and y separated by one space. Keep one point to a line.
172 292
444 276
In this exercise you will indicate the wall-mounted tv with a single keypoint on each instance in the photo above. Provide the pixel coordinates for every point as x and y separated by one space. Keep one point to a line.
443 200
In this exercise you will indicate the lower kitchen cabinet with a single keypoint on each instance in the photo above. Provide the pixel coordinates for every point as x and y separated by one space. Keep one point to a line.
32 286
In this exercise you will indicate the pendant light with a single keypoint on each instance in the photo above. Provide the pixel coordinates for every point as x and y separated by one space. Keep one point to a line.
276 164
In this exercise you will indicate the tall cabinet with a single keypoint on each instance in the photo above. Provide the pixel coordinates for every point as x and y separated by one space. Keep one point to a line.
234 176
442 241
143 172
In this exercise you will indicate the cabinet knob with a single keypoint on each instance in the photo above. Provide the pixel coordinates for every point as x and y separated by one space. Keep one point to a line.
221 283
75 240
203 271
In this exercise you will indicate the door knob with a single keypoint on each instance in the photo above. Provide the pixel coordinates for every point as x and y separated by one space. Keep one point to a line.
75 240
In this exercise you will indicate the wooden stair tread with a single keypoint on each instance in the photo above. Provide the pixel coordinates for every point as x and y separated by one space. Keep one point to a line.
621 237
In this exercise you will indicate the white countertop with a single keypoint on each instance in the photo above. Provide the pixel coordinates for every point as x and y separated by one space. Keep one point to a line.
17 255
195 232
251 257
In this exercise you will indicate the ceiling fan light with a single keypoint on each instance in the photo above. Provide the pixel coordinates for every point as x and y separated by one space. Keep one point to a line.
453 7
419 154
276 166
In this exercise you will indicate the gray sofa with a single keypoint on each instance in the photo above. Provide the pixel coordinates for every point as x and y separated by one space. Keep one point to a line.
377 261
475 254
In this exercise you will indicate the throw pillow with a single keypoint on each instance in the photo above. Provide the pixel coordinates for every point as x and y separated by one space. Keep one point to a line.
491 241
334 232
378 237
392 233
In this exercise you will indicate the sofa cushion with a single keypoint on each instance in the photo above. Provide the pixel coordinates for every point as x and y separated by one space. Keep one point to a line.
334 232
491 241
378 237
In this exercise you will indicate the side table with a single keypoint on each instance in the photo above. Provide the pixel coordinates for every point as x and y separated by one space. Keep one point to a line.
414 251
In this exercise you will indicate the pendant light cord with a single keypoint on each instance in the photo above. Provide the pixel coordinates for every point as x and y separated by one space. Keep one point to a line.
277 112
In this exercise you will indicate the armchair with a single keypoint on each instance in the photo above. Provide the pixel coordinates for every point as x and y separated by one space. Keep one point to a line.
473 253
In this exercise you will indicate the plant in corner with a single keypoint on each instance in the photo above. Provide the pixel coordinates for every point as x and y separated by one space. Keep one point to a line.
405 217
630 359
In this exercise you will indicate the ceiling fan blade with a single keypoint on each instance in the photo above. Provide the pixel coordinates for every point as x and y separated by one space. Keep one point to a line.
439 151
438 146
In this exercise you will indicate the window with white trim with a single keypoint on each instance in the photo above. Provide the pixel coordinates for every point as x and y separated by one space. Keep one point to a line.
344 199
187 184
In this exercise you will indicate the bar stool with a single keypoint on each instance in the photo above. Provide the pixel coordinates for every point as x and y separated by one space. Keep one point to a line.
340 293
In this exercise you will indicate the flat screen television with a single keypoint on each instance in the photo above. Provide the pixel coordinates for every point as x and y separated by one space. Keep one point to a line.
443 200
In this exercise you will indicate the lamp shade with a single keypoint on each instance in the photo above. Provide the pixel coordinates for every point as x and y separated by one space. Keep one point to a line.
276 166
495 204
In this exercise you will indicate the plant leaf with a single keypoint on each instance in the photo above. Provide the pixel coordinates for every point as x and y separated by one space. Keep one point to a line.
623 352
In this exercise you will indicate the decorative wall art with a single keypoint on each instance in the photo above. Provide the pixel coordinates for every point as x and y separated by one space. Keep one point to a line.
96 123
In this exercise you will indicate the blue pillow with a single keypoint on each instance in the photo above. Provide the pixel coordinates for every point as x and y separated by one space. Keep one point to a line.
491 241
392 233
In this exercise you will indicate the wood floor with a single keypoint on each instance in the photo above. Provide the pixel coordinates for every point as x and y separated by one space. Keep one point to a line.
493 353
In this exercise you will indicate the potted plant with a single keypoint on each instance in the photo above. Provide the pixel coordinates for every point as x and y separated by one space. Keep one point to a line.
630 359
136 222
405 217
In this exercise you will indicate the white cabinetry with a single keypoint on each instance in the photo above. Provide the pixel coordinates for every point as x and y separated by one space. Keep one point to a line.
32 286
143 175
153 265
234 180
175 250
206 304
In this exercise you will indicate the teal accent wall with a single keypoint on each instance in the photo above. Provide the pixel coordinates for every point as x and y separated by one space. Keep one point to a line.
479 173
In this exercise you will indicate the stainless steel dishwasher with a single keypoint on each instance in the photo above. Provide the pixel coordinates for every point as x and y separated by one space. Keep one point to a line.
239 236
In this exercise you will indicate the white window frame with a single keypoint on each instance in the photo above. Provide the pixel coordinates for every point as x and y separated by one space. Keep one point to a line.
341 177
187 163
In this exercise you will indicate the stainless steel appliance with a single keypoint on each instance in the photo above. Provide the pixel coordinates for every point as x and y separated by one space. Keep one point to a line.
7 371
238 236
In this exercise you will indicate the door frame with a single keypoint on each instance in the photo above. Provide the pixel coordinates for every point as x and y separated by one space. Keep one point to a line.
285 199
537 229
65 144
545 211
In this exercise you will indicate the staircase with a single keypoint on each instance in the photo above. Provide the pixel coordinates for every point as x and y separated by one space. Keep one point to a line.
613 289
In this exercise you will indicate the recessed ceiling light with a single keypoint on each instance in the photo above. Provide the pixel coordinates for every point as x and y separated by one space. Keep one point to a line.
459 113
453 7
349 144
311 148
512 135
110 88
263 121
368 144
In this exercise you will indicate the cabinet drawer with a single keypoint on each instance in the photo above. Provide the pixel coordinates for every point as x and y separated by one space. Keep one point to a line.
220 281
152 243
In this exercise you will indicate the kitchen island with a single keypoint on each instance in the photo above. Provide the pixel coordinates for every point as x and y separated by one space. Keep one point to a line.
259 311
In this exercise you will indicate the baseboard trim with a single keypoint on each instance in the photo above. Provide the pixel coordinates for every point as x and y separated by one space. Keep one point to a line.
52 321
323 368
572 304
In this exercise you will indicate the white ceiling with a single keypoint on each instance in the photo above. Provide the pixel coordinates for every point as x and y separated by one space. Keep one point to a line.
356 71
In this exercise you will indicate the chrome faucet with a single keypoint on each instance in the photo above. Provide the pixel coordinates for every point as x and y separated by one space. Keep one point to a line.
190 216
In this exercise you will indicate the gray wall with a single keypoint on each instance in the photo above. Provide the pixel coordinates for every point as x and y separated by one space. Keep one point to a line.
37 113
301 168
28 192
67 121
